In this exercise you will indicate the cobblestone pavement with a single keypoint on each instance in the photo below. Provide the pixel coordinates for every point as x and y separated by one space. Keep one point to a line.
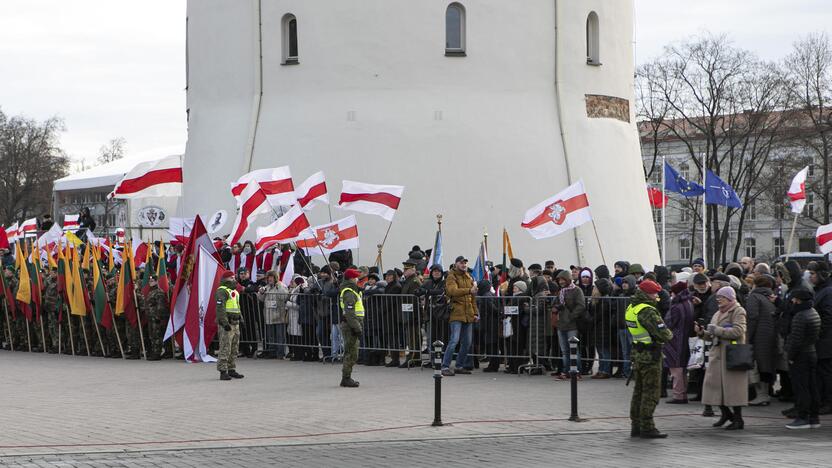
65 411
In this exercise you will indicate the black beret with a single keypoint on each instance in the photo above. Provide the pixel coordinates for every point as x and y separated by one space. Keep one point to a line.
535 267
516 263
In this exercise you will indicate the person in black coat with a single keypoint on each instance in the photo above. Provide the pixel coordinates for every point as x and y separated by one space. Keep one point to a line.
390 319
85 221
819 277
762 334
436 305
489 312
802 355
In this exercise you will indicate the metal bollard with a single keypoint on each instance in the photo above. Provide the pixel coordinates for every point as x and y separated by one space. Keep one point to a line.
437 383
573 374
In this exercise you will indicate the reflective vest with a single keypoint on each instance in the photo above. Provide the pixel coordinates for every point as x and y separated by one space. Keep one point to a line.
232 304
359 304
638 332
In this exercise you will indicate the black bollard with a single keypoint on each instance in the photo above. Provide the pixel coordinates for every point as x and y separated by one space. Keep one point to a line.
573 373
437 383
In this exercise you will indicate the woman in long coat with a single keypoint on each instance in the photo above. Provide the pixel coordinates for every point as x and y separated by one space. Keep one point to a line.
725 388
677 352
762 334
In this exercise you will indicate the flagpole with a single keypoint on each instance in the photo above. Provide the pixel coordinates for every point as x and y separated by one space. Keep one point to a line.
664 213
97 332
8 323
42 332
384 241
598 239
69 325
118 338
84 332
704 214
28 336
791 237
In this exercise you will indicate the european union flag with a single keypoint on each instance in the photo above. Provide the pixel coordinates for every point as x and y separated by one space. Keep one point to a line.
717 192
673 182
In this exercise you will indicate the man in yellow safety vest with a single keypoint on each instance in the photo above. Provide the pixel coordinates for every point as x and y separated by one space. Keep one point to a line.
228 320
352 323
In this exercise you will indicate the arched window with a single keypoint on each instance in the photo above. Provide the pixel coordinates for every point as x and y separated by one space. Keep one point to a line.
290 39
593 56
455 30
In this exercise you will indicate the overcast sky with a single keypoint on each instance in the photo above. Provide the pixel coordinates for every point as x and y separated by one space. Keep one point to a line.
116 68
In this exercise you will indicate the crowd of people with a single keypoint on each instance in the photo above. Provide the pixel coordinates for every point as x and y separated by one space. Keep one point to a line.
515 318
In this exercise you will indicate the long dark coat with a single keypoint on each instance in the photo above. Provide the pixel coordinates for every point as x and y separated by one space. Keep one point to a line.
762 332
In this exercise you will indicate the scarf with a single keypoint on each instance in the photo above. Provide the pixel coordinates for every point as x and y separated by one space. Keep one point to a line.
563 291
727 307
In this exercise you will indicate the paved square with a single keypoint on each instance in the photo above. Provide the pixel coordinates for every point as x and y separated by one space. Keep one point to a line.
79 411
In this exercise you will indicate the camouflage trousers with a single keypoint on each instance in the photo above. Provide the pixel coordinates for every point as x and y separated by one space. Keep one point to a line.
350 350
53 326
229 347
155 335
134 341
647 375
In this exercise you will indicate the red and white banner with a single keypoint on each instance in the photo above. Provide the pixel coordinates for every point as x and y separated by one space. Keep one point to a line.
253 203
275 182
824 238
566 210
139 252
200 317
312 191
12 232
179 230
289 272
797 191
160 178
331 237
29 227
287 228
380 200
53 236
71 222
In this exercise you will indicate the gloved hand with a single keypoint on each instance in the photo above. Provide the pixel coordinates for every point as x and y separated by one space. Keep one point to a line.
227 327
711 328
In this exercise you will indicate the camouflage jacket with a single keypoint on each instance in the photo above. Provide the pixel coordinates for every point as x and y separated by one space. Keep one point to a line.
156 303
651 320
50 295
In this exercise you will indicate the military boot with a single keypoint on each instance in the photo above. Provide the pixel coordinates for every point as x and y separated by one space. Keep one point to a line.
635 431
348 382
233 374
224 375
653 434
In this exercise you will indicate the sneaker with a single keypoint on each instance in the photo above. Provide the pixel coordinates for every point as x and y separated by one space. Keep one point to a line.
600 376
799 424
447 372
814 423
460 370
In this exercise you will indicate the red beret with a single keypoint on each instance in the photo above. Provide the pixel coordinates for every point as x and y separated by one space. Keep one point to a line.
227 274
351 273
650 287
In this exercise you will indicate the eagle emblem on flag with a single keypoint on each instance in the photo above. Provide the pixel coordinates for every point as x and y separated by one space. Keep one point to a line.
328 236
556 212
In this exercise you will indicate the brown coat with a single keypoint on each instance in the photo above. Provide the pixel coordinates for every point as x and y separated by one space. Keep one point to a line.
458 289
722 386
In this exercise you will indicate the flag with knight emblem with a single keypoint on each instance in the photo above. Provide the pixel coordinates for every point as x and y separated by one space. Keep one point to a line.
331 237
566 210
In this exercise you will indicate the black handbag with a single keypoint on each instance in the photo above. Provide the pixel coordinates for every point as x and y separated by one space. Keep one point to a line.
739 356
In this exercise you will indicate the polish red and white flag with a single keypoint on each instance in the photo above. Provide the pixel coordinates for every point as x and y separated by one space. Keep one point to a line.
200 317
276 183
287 228
797 191
288 272
253 202
312 191
160 178
561 212
331 237
71 222
379 200
824 238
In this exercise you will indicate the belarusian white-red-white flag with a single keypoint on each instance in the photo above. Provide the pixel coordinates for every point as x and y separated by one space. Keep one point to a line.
12 232
71 222
253 202
160 178
288 272
179 230
380 200
824 238
330 237
287 228
312 191
276 184
200 317
30 226
48 239
797 191
565 210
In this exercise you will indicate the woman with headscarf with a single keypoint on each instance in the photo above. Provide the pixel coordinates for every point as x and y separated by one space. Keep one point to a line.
677 352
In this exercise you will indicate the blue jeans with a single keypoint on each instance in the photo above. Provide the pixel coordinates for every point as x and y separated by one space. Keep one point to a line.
604 356
625 345
457 329
276 339
563 339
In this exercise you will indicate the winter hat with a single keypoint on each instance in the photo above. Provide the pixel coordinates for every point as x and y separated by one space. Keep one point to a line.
625 266
721 277
516 263
683 276
351 273
227 274
602 272
662 274
564 274
586 273
636 268
803 294
821 268
678 287
727 292
650 287
535 267
698 261
733 269
522 286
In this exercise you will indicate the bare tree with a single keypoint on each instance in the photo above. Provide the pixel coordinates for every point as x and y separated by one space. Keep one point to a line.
113 150
30 161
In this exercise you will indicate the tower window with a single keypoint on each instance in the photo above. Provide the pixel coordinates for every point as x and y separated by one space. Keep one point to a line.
290 40
455 30
593 56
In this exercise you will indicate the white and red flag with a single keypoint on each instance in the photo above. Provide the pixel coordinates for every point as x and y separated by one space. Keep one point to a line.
331 237
567 209
797 191
200 318
30 226
253 202
312 191
179 230
824 238
71 222
288 272
12 232
50 238
276 183
160 178
287 228
140 249
380 200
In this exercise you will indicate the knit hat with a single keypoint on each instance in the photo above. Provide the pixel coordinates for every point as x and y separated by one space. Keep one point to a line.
636 268
803 294
678 287
586 274
650 287
351 273
522 286
727 292
564 274
700 278
602 271
697 261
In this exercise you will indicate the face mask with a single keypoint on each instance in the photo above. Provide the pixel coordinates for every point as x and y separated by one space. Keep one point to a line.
247 250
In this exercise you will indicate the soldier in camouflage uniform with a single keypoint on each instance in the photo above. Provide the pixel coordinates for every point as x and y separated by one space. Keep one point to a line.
113 337
352 327
50 310
648 333
228 319
134 338
21 341
156 308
